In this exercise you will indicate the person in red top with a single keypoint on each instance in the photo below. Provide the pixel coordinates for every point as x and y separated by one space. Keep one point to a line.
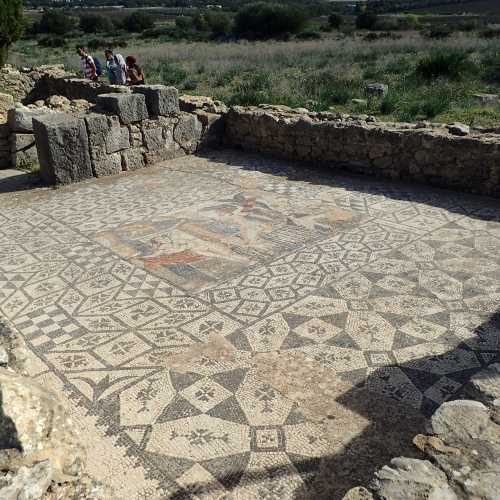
135 74
87 63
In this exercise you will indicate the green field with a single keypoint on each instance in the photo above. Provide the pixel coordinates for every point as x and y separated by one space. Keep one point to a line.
432 70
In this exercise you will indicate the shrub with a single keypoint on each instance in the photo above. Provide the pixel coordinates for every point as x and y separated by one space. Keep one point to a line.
389 103
490 34
184 23
169 74
266 20
52 41
309 35
11 25
491 67
97 43
451 65
438 33
335 20
200 23
95 23
366 21
219 23
55 22
137 22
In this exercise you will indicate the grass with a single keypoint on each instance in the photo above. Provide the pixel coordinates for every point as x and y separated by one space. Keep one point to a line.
428 79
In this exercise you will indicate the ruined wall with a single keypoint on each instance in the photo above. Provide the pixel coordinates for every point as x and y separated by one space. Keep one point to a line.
123 132
448 156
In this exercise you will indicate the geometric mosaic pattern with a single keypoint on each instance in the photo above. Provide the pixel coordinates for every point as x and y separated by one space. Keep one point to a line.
151 296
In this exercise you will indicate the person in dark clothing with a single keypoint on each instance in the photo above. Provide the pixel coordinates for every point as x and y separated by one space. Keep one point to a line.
135 74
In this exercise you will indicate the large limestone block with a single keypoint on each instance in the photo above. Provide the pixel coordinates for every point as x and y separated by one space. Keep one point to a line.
187 132
160 100
20 118
63 149
485 385
129 108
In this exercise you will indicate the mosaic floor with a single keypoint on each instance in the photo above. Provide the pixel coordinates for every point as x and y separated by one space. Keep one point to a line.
233 327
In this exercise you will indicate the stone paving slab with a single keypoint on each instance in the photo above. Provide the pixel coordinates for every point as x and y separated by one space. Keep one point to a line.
234 327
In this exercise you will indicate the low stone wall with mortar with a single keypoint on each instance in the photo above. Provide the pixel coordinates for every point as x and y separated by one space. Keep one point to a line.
450 156
123 132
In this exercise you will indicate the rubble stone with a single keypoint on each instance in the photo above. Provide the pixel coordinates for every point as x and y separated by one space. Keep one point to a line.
484 386
412 478
28 483
460 420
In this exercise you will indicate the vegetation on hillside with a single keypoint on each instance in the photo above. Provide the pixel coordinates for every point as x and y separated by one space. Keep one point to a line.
432 69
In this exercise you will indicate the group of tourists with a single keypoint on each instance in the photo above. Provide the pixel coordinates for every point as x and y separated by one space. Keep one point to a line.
120 70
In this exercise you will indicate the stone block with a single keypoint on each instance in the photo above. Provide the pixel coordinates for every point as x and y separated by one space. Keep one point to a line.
107 165
6 102
23 150
160 100
117 139
129 108
63 148
132 159
168 153
153 139
187 132
20 118
4 131
106 136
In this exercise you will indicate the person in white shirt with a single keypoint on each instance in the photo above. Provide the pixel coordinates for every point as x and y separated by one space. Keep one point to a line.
117 68
88 65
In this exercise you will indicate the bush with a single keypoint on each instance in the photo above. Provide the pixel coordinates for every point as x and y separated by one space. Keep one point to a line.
389 104
11 25
452 65
335 21
219 23
491 66
438 33
95 23
52 41
366 21
265 20
200 23
309 35
184 23
138 22
55 22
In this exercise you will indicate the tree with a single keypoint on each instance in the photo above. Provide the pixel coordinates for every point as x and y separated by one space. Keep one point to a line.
11 25
137 22
267 20
95 23
219 23
184 23
366 21
335 21
55 22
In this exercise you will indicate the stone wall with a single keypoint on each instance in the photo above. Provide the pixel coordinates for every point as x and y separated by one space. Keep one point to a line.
123 132
450 156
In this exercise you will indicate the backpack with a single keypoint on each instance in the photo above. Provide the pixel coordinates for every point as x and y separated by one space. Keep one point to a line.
98 66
